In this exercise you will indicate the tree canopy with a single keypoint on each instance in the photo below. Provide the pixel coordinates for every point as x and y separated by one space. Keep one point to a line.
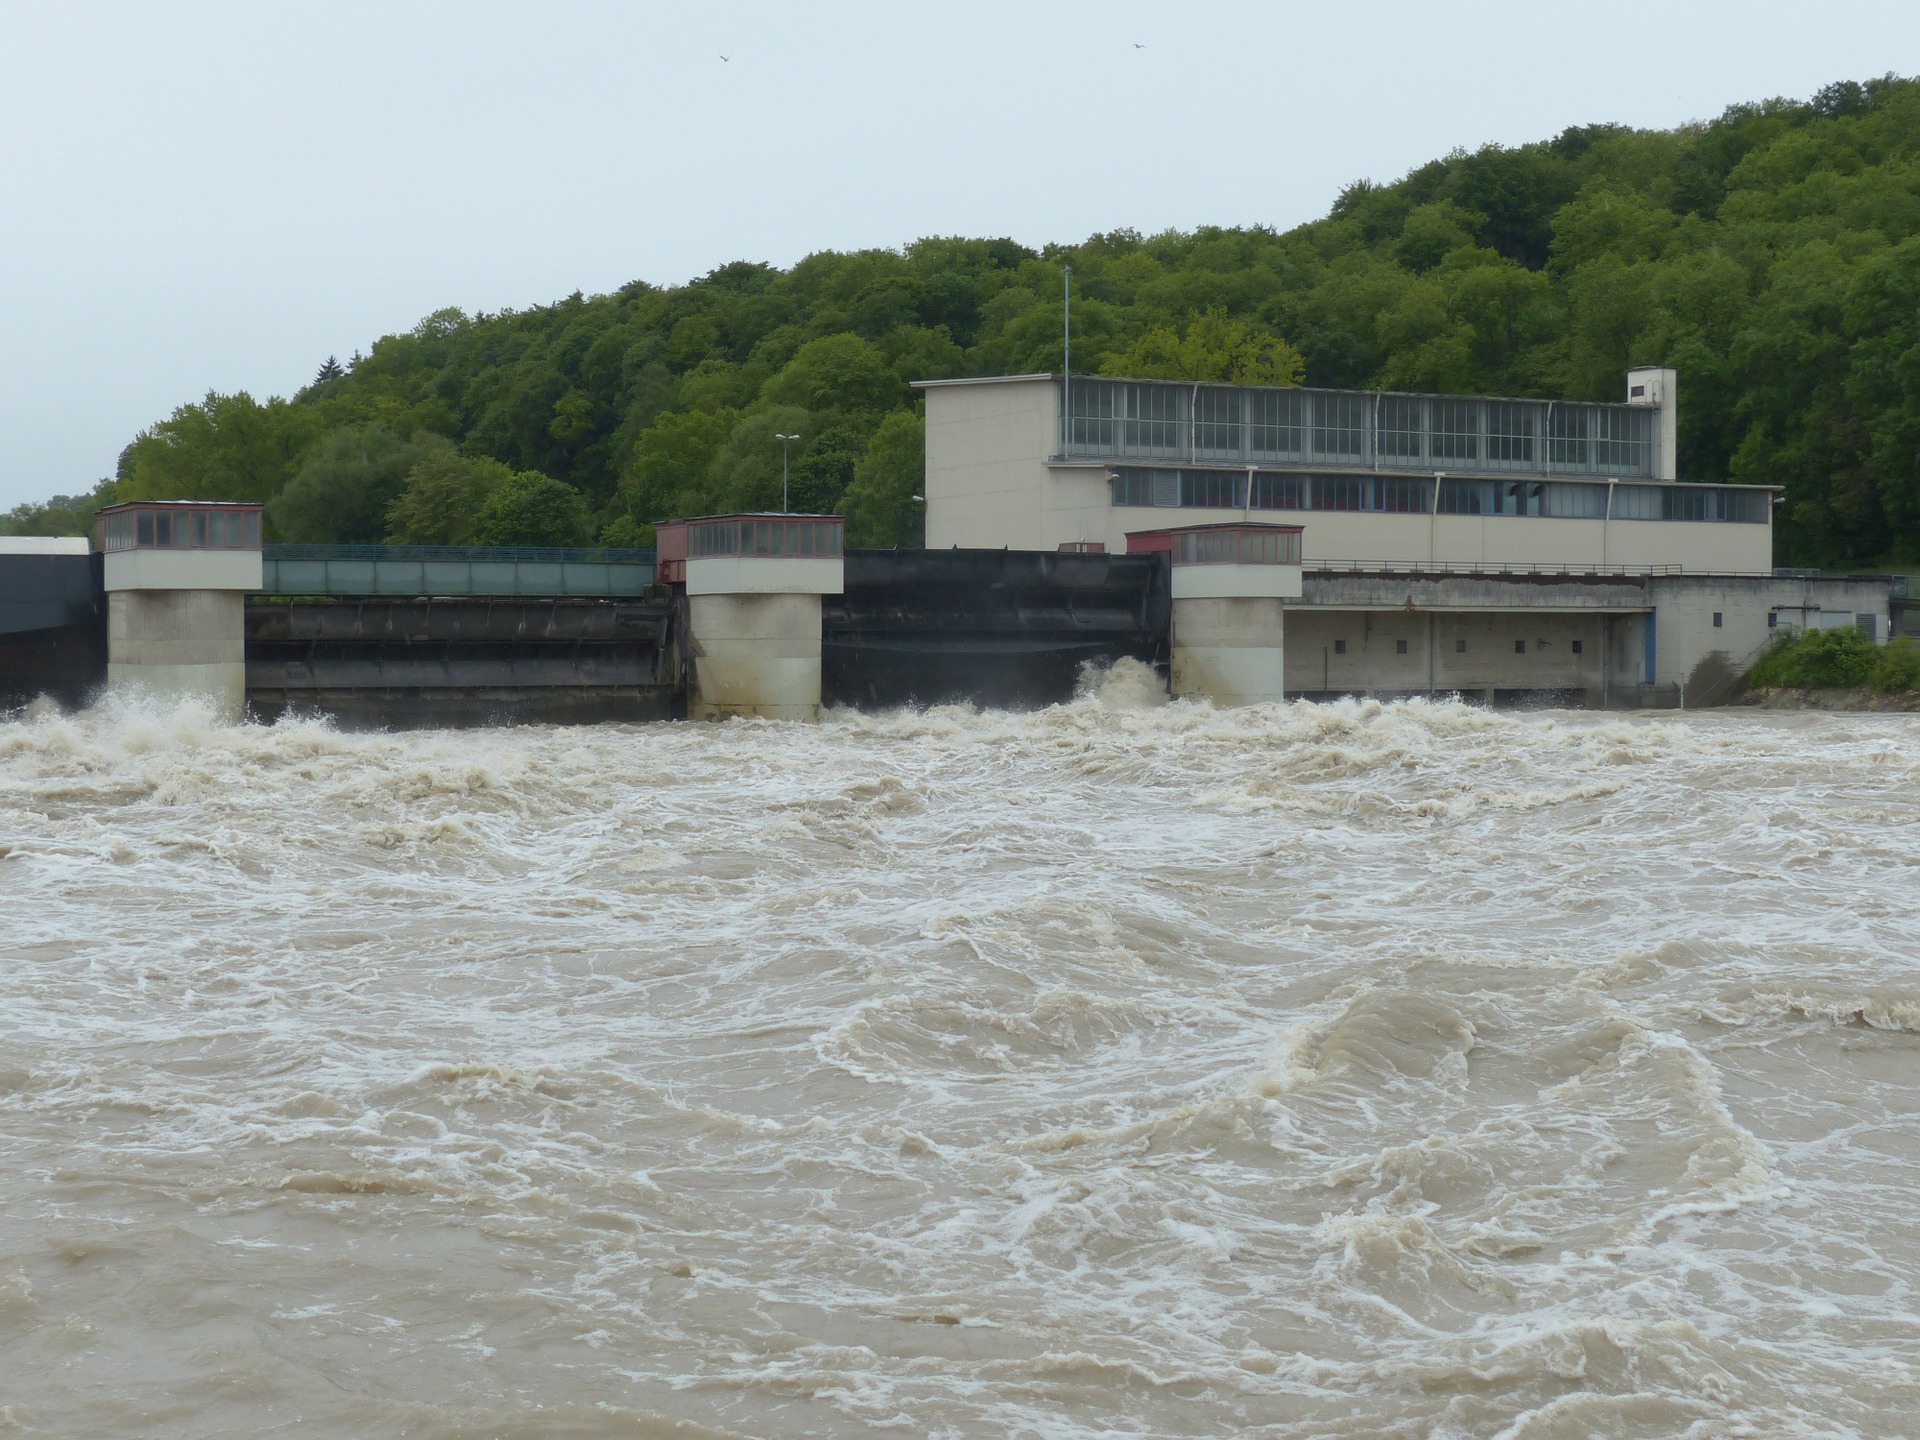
1771 255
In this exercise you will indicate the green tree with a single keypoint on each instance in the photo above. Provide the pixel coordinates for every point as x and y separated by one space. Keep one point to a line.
440 501
879 505
344 490
836 372
532 509
1212 347
226 447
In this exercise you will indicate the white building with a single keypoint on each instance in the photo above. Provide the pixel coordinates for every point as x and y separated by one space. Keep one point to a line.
1449 542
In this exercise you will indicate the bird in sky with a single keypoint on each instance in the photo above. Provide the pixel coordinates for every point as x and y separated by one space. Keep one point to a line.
1138 46
724 59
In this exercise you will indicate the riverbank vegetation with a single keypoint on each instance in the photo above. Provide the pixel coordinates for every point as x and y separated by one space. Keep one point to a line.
1837 659
1772 255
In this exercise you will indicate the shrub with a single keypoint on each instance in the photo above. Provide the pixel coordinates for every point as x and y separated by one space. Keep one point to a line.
1817 659
1898 666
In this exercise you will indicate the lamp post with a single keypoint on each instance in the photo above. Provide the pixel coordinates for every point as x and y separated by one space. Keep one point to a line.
785 440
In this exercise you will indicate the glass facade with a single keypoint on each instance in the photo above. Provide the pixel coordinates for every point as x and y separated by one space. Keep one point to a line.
788 537
1177 421
181 527
1168 488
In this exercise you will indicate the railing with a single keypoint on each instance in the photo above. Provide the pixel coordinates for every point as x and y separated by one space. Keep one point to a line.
1440 568
544 554
455 570
1357 430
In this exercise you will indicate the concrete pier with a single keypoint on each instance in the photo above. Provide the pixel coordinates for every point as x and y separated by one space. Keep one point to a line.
1230 587
753 586
177 575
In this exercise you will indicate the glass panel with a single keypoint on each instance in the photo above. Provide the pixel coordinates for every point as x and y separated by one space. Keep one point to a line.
1567 432
1510 431
1217 422
1279 492
200 529
1091 423
1276 424
1455 430
1339 422
1401 435
1154 417
1211 489
163 529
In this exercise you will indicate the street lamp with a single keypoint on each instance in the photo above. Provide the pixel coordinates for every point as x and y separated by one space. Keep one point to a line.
785 440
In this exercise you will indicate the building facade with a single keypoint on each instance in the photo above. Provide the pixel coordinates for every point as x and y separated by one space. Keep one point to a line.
1450 543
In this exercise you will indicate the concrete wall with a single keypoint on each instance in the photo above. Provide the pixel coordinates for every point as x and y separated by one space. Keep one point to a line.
764 575
179 643
184 570
1517 540
987 446
1402 652
755 655
1693 651
1229 650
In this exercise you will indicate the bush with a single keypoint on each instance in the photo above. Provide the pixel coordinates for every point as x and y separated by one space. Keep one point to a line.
1817 660
1898 667
532 509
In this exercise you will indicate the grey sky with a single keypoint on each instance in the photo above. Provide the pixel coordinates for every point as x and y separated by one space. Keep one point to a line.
201 196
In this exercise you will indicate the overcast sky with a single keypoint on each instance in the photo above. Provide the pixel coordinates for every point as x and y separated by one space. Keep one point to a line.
201 196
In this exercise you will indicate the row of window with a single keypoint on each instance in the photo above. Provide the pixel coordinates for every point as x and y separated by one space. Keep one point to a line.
181 529
1177 421
1255 545
1411 495
801 539
1459 647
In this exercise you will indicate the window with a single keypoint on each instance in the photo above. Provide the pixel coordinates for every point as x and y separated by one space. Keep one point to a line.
1153 417
1279 492
1456 430
1773 619
1868 624
1400 428
146 527
1567 435
1519 647
1339 647
1717 620
1339 423
1576 647
1399 647
1510 431
1459 647
1623 442
1277 424
1093 426
1211 489
1216 422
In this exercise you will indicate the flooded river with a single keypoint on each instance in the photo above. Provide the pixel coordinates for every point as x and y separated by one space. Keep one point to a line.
1121 1069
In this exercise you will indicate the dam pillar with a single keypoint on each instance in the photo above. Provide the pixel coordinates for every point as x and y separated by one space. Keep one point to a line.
177 576
1230 587
753 587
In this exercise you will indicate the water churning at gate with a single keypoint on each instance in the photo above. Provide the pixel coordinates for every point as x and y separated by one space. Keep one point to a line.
1123 1067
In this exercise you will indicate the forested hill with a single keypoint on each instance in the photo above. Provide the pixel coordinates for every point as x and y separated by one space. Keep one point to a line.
1772 256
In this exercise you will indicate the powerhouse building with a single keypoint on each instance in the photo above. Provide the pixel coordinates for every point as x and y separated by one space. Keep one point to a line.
1506 547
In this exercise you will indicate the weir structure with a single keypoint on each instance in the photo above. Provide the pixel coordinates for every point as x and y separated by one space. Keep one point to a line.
1229 584
176 575
753 586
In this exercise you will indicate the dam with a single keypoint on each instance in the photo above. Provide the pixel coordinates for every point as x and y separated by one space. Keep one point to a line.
396 636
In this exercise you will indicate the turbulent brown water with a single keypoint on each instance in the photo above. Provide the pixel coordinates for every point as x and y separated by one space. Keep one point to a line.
1350 1070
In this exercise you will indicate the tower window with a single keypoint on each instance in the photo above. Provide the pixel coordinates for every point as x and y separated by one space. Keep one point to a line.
1519 647
1717 619
1399 647
1576 647
1339 647
1459 647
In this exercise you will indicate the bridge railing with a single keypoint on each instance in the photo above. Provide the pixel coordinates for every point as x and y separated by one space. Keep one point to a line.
455 570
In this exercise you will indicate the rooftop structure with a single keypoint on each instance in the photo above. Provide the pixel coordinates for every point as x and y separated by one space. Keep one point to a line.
1038 461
